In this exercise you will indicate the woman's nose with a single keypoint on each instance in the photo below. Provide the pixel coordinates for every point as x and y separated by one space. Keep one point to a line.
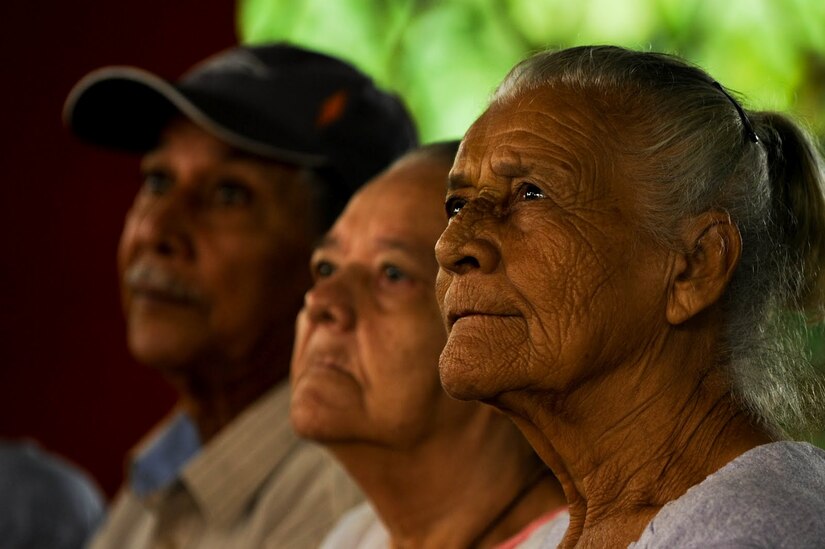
330 302
467 245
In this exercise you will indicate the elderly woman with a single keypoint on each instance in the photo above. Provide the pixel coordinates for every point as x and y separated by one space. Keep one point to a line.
626 251
438 472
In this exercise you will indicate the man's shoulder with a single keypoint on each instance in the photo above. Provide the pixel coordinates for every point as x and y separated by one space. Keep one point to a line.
771 496
309 491
256 482
127 524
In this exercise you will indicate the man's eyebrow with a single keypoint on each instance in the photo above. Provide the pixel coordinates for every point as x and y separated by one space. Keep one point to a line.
326 241
151 159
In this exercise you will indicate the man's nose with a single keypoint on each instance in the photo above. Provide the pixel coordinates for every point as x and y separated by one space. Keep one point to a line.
330 302
164 225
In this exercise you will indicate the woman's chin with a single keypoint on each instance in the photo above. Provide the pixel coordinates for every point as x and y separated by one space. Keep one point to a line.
466 380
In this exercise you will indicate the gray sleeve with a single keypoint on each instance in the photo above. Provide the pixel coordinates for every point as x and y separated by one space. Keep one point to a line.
772 498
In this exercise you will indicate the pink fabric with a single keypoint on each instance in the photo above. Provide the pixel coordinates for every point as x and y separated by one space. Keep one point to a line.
514 541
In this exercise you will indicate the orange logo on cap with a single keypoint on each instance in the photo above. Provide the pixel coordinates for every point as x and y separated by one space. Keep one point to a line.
331 109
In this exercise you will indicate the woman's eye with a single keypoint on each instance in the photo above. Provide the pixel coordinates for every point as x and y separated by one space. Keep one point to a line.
322 269
528 191
454 205
156 183
232 193
393 273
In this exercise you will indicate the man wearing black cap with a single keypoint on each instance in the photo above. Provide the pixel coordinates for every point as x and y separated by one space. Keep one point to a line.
247 160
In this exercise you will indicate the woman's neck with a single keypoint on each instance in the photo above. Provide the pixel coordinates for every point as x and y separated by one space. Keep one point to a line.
477 485
632 440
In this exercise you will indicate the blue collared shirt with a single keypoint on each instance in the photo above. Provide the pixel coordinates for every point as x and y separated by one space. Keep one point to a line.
162 461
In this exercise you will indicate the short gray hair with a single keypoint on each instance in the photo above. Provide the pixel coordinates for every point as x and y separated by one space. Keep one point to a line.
691 149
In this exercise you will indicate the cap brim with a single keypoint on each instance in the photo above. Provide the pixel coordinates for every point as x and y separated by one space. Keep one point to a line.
126 108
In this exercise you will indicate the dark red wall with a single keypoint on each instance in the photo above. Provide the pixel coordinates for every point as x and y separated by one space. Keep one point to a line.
66 379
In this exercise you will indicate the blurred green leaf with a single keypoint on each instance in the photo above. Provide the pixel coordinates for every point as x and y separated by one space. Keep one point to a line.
445 57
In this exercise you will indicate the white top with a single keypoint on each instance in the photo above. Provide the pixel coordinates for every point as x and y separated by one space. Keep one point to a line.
361 528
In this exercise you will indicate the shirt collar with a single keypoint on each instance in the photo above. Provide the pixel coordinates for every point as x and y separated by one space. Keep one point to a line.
158 464
233 466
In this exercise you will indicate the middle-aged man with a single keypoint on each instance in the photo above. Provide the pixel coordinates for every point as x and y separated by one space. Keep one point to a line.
247 160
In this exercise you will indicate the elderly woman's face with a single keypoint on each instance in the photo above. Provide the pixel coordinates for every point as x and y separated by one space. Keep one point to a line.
544 282
369 336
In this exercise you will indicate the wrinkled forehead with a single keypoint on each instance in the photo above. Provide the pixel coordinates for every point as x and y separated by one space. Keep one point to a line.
546 129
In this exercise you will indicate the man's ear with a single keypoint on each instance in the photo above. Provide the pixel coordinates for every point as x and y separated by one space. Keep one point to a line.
712 246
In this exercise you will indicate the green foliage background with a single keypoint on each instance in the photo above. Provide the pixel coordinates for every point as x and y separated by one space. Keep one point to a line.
445 57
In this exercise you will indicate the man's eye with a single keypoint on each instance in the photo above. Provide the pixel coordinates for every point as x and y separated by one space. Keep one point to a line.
393 273
232 193
156 183
322 269
454 205
528 191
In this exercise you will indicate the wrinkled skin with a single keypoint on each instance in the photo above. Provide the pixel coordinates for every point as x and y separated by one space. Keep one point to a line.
602 345
564 281
208 268
370 333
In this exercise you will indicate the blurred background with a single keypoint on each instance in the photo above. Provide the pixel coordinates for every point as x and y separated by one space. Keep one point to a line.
446 56
66 380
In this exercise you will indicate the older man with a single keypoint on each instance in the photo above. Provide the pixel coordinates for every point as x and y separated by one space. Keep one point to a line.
246 161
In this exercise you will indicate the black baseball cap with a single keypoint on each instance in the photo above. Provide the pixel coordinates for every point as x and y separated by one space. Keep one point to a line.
277 100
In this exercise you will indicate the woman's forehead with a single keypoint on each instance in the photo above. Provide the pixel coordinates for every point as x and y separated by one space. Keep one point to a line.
403 205
546 130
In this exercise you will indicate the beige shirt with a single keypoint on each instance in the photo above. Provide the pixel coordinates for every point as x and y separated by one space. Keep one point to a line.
255 484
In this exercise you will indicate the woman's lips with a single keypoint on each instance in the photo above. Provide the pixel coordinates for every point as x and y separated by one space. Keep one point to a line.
323 364
453 318
465 299
327 353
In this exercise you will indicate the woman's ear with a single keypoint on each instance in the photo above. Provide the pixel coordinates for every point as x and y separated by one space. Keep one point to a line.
712 245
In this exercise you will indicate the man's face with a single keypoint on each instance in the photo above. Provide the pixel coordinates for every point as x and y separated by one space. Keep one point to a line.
365 361
212 254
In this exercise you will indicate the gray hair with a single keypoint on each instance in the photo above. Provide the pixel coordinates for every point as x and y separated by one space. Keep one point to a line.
690 148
